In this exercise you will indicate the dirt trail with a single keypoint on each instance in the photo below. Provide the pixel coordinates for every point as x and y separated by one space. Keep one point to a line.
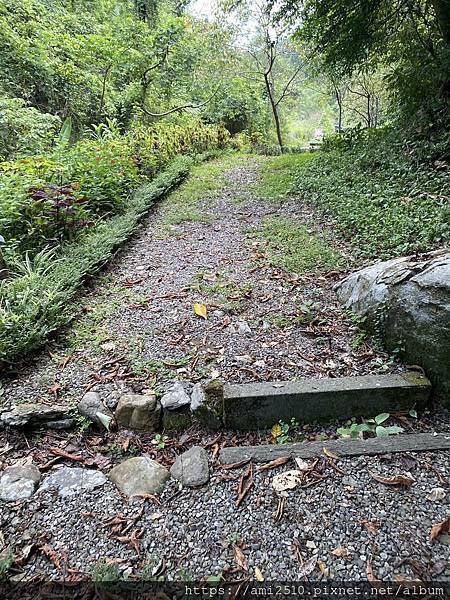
139 327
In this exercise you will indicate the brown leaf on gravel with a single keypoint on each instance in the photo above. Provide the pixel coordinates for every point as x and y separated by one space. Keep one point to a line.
342 552
402 480
52 555
277 462
246 483
64 454
442 527
25 555
370 576
132 540
370 526
308 567
239 558
235 465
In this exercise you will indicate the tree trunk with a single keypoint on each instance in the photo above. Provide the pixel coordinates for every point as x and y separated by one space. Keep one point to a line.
276 116
442 9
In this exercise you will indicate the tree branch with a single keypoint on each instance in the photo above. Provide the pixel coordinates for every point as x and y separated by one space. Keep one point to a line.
286 87
180 108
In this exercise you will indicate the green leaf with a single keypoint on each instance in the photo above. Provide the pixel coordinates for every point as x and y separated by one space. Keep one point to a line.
381 431
65 133
382 418
413 413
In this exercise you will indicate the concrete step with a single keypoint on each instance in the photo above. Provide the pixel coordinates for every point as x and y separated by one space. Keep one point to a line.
253 406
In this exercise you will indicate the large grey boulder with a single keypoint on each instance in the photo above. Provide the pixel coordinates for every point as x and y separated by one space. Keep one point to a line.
71 481
18 483
139 476
28 413
139 412
407 301
92 407
191 467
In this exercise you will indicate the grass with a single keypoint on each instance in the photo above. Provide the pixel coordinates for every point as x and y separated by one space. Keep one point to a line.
383 194
278 175
221 290
204 183
293 247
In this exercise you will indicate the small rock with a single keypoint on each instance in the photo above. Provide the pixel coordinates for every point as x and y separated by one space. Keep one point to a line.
243 327
140 412
198 397
311 545
91 406
34 413
350 481
175 397
18 483
191 467
69 481
62 424
139 476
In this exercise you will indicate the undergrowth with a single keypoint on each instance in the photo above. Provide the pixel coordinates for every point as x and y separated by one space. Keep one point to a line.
382 196
295 248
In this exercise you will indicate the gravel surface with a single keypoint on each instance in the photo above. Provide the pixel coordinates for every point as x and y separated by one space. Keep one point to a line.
192 532
136 331
139 328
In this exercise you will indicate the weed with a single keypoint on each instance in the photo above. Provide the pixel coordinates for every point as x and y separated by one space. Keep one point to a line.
160 441
105 570
278 175
6 562
282 432
370 426
293 247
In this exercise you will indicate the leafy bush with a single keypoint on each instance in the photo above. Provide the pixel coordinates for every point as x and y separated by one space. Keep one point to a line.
36 207
24 129
38 302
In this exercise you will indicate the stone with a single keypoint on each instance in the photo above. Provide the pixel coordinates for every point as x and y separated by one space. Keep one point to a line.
177 420
19 483
71 481
191 467
91 406
252 406
34 413
407 302
139 412
210 411
62 424
175 397
198 397
139 476
243 328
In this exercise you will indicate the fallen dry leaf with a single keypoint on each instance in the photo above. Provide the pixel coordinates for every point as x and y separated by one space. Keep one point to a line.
277 462
331 454
404 480
302 464
442 527
240 559
308 567
201 310
436 494
342 552
370 526
370 576
258 575
287 480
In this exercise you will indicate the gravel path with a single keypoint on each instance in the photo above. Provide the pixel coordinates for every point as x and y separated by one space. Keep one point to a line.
137 331
139 328
366 524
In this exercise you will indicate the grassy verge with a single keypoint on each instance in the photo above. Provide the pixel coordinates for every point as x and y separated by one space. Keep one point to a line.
293 247
35 305
381 196
278 175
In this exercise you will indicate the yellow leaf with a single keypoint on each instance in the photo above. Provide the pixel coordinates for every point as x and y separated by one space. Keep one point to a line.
322 567
259 576
276 430
201 310
331 454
